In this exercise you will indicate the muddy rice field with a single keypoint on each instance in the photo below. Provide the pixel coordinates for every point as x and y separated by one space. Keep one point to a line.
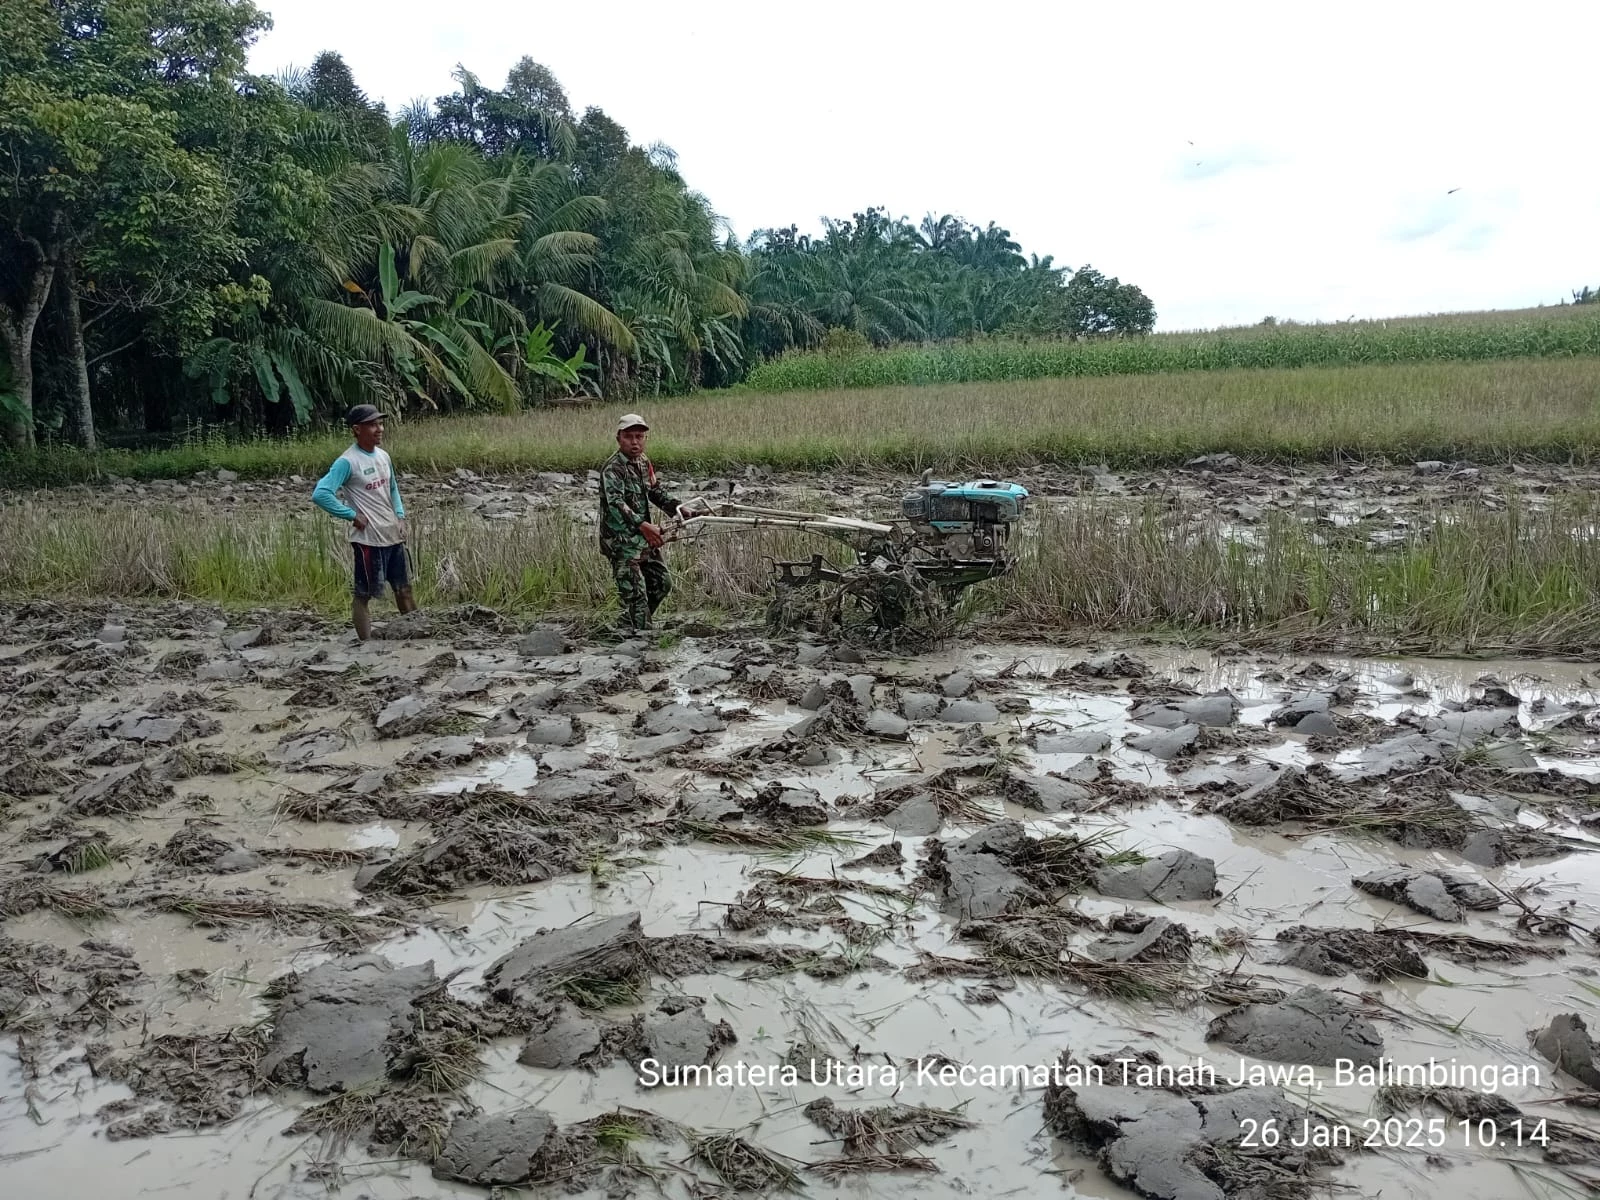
484 906
1383 497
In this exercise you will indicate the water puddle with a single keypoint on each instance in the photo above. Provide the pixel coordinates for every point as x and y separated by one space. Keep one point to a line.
889 1011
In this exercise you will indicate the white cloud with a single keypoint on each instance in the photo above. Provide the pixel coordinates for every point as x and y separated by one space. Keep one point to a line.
1327 135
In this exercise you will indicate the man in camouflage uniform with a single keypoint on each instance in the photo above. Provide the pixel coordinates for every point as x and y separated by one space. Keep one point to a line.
627 537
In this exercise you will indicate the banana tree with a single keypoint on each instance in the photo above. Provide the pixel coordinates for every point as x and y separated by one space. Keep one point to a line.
274 367
425 343
540 359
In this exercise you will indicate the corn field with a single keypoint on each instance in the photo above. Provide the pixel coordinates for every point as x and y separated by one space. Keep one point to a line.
1561 333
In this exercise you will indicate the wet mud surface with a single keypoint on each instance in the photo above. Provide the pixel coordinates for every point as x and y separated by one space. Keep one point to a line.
481 906
1384 501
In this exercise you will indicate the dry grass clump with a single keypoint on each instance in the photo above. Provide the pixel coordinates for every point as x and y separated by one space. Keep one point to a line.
29 893
744 1166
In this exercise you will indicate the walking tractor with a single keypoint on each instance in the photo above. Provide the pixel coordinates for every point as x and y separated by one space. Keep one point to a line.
904 576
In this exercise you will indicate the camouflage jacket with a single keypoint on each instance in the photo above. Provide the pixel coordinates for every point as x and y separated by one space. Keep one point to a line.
627 489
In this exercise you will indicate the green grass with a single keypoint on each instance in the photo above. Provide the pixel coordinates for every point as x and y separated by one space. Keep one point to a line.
93 855
593 994
1530 408
1471 577
1538 333
1474 578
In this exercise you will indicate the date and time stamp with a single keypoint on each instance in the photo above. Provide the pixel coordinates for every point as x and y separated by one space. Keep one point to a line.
1394 1133
1261 1134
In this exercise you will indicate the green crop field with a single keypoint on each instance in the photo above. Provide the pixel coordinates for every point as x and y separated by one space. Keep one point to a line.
1533 408
1537 333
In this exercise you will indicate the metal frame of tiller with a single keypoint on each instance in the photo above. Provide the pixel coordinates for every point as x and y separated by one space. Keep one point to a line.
868 539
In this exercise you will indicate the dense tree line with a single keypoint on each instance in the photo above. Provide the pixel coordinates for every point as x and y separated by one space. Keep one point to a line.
181 240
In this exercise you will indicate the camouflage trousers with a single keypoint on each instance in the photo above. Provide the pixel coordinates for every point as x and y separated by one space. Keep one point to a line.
642 584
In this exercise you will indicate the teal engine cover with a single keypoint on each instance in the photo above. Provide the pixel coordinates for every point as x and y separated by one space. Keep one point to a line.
975 504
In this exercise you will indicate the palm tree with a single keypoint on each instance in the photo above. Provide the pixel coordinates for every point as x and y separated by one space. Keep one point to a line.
420 280
670 280
865 292
558 255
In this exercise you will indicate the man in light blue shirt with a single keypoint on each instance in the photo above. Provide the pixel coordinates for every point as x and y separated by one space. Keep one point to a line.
361 488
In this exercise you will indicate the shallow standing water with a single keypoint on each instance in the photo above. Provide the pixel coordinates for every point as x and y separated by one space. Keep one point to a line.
52 1143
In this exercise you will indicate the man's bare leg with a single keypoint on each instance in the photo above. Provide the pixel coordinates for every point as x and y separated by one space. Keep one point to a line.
362 616
404 600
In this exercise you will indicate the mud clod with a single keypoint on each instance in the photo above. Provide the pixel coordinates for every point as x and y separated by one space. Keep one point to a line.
1168 1145
886 725
784 805
968 712
1045 742
1372 955
681 1037
491 1151
409 715
305 749
680 718
119 791
603 956
1312 1027
155 730
1216 711
338 1025
478 848
917 817
569 1039
956 684
181 1082
1566 1043
1045 793
978 882
646 748
187 762
447 752
709 807
1166 744
1144 939
1436 894
888 855
542 643
1175 875
195 846
554 731
1111 666
30 776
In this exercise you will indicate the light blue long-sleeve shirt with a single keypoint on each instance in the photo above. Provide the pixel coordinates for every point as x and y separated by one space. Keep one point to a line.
362 476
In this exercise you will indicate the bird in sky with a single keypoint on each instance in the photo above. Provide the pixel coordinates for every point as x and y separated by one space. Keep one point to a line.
1452 191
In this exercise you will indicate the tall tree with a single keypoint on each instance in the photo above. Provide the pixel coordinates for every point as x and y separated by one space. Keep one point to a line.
1096 305
531 115
105 173
329 87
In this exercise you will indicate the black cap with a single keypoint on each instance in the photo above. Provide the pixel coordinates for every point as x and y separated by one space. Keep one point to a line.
361 414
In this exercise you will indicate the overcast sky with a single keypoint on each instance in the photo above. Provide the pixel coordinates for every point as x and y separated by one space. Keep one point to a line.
1305 158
